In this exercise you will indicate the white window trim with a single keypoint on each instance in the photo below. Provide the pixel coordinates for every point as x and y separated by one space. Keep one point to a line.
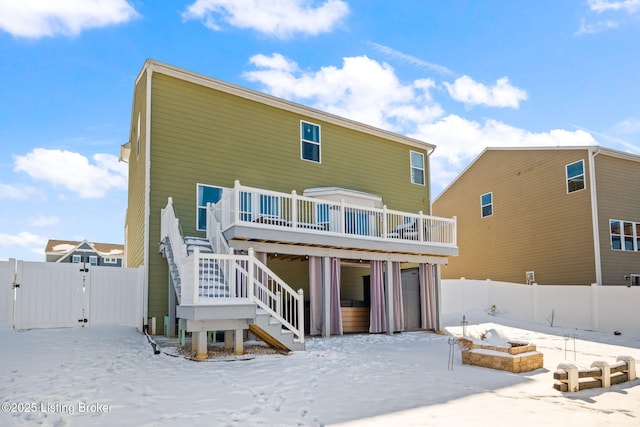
482 206
93 258
634 236
78 257
584 176
411 167
198 185
303 141
110 260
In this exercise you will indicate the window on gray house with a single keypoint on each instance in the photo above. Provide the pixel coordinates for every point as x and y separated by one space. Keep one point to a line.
76 259
206 194
310 141
625 235
575 176
486 204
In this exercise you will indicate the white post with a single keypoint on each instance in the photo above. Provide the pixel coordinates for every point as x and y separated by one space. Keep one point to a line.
238 338
301 314
294 209
236 201
420 227
342 216
384 221
594 305
279 303
200 338
605 372
454 233
196 275
631 366
572 375
250 276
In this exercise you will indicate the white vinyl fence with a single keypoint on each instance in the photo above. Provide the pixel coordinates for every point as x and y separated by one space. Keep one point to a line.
53 295
585 307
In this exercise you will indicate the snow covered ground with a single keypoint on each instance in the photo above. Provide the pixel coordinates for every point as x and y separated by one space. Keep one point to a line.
110 376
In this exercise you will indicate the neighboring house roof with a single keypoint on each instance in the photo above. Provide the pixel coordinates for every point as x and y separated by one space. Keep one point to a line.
596 149
151 66
60 248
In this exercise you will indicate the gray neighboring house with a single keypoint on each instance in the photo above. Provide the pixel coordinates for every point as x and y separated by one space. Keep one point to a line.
98 254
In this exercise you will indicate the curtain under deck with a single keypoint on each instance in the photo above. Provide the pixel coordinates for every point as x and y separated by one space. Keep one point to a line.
377 311
427 293
315 295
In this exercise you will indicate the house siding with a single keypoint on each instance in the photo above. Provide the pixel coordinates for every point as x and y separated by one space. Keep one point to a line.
618 187
202 135
535 226
135 217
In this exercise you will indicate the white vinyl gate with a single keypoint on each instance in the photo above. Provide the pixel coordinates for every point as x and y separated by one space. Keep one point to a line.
54 295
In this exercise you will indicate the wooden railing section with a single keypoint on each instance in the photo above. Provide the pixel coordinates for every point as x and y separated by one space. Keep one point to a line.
601 374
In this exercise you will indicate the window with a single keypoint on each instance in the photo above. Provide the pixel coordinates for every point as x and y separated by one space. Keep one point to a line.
625 235
310 142
206 194
93 260
417 168
110 260
575 176
76 259
486 204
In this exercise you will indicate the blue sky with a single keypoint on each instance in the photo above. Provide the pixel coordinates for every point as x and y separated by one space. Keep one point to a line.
462 75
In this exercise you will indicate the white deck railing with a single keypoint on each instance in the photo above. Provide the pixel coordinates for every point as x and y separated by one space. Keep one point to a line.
210 279
250 206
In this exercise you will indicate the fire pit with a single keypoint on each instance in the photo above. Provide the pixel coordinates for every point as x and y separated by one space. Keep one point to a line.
512 356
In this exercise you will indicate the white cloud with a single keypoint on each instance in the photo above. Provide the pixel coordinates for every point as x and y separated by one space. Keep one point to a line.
368 91
618 12
17 192
600 6
44 221
470 92
73 171
279 18
409 59
363 90
23 239
40 18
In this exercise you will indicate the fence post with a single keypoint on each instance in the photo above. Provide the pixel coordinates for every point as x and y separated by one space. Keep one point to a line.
594 305
572 376
631 366
605 372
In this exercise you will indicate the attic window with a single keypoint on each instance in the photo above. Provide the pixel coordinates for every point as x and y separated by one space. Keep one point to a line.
76 259
575 176
310 142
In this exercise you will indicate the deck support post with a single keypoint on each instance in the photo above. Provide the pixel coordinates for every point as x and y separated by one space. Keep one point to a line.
199 344
238 338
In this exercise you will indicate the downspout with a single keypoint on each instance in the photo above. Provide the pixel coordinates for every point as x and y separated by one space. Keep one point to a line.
147 193
594 214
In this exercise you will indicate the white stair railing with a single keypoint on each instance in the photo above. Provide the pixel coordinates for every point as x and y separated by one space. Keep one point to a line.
244 276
